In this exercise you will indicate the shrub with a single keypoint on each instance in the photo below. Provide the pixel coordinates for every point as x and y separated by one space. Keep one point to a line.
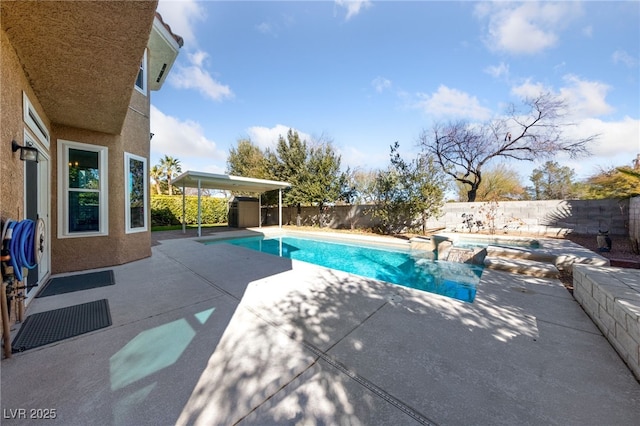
167 210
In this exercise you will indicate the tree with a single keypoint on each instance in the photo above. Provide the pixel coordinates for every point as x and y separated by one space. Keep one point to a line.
409 190
620 182
552 182
171 167
363 184
326 183
247 160
463 149
156 173
289 163
499 183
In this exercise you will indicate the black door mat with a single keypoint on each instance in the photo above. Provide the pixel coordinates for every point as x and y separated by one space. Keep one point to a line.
51 326
71 283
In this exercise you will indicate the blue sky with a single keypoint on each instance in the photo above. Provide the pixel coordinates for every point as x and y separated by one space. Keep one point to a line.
364 74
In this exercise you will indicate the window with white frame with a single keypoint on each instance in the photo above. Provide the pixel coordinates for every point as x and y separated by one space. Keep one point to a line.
135 178
141 80
82 190
33 121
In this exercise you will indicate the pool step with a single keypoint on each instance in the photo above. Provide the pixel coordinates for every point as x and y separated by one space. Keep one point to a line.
530 267
520 253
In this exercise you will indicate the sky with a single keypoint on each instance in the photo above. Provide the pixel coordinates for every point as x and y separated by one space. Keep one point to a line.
364 74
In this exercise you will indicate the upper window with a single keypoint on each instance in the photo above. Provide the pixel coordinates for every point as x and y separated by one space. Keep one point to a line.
135 178
33 121
82 190
141 81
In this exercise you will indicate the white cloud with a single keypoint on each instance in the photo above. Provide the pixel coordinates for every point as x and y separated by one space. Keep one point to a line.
621 56
587 98
617 144
497 71
525 27
266 28
618 141
355 158
183 140
380 84
353 7
584 99
529 89
452 103
266 137
616 137
181 16
195 76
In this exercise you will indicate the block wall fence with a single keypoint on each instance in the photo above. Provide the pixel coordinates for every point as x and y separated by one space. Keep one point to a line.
545 218
634 220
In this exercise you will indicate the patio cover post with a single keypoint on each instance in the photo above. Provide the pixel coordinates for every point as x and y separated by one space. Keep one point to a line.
184 220
280 207
199 212
260 210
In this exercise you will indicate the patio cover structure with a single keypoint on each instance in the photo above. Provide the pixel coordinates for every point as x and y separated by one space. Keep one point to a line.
201 180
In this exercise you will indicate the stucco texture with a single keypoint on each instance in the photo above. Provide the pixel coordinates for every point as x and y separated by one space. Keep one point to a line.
118 247
12 126
81 57
77 62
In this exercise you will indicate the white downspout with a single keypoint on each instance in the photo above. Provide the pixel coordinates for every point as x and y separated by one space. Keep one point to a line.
199 212
184 211
280 207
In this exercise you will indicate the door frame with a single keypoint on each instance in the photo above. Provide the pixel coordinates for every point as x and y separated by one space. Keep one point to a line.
43 207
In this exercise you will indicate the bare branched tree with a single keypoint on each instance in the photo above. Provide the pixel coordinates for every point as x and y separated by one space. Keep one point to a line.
462 149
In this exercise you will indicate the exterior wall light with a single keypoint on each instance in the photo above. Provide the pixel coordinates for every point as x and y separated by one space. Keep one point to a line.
27 153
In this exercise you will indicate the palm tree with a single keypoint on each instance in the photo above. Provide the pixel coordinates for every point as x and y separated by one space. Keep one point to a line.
170 166
156 173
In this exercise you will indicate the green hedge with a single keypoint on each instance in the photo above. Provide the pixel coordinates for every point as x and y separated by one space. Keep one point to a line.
167 210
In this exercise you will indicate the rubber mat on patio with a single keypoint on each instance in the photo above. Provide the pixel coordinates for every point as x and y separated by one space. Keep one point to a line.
52 326
71 283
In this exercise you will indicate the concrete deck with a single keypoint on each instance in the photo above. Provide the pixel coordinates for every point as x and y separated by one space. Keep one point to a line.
219 335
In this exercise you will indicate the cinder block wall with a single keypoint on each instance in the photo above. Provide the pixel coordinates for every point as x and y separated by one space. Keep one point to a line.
550 218
611 300
634 218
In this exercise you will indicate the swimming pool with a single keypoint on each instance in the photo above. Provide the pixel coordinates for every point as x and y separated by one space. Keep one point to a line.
403 267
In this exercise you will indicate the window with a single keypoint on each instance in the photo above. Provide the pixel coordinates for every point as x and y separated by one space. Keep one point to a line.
82 171
33 121
141 81
135 178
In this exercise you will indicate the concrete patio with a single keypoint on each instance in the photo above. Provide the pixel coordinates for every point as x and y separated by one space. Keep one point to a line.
220 335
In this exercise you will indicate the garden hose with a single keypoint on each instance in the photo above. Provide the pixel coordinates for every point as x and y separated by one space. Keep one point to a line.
20 239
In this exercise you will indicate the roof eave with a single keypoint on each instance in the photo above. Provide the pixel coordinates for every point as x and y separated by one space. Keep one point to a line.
81 58
164 47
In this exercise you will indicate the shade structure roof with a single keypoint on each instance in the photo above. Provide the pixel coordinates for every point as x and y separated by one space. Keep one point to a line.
192 179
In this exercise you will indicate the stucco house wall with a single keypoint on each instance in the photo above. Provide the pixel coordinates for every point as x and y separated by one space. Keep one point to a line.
118 247
127 24
12 126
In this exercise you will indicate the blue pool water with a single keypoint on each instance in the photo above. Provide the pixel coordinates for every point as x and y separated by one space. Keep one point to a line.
406 268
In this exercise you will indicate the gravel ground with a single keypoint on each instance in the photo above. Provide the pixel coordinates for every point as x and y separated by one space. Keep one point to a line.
620 255
620 247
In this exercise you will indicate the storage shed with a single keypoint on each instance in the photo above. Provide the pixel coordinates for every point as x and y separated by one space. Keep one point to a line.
244 212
